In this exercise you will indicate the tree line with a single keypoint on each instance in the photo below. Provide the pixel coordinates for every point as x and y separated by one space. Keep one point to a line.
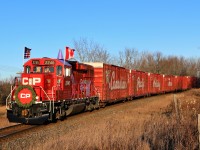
90 51
5 88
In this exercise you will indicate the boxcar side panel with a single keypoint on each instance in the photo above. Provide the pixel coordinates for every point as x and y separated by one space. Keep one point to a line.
140 83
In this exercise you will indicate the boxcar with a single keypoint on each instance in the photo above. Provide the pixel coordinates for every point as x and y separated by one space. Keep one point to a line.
155 83
111 82
139 83
168 83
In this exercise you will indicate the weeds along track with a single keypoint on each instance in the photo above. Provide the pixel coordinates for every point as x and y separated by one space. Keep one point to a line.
99 128
7 132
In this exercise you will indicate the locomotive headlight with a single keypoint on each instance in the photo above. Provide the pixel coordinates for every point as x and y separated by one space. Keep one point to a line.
14 97
37 97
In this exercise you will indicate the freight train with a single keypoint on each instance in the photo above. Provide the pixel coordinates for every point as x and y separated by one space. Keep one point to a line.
53 88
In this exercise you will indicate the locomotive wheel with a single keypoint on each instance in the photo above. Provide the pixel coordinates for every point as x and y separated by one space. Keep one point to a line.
53 117
102 105
57 115
63 115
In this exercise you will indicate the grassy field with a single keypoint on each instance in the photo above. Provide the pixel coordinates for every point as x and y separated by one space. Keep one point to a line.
150 123
156 125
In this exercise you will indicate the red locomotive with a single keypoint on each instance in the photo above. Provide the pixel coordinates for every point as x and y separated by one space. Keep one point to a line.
51 89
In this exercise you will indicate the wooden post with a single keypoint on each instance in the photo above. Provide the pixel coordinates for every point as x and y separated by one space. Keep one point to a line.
176 108
199 128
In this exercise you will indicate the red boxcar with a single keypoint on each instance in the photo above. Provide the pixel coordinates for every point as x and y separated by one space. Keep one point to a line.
188 82
111 82
168 84
155 83
193 82
138 83
178 83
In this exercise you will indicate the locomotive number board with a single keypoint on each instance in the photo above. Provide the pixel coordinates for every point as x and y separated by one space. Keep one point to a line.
49 62
35 62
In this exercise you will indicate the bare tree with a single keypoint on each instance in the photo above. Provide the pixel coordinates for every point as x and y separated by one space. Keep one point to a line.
128 58
89 51
5 86
81 48
157 61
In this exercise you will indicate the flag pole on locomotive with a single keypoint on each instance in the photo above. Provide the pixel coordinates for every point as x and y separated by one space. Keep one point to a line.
69 53
27 53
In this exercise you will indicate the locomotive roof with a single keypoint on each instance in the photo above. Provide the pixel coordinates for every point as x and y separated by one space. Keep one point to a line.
47 58
100 64
66 63
95 64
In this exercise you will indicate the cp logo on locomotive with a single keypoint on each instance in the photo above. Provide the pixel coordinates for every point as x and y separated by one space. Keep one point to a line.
25 96
30 81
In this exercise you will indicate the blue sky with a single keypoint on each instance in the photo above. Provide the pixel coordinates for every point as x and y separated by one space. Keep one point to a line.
171 27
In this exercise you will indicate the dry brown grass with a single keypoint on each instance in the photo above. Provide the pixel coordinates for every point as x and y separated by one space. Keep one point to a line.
177 128
148 127
123 128
4 121
108 133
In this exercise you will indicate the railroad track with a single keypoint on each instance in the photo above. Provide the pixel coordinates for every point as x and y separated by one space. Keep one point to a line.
13 130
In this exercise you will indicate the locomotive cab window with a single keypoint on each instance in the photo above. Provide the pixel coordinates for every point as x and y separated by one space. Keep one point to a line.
67 72
59 70
37 69
48 69
27 69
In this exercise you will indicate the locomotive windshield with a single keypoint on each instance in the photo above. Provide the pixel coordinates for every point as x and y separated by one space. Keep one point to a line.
59 70
48 69
37 69
28 69
40 69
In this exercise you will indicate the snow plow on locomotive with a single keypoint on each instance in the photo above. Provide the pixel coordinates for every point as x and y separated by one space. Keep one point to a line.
51 89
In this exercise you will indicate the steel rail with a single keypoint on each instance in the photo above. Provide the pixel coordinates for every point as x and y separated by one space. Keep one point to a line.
15 129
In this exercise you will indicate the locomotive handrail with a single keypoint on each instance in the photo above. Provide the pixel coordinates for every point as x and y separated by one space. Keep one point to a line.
9 96
45 92
47 97
53 96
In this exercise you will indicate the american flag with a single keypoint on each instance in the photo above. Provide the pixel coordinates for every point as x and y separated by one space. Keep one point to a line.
27 52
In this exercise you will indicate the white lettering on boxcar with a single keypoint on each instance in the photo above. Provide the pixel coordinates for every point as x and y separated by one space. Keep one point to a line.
140 83
169 83
117 84
156 83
